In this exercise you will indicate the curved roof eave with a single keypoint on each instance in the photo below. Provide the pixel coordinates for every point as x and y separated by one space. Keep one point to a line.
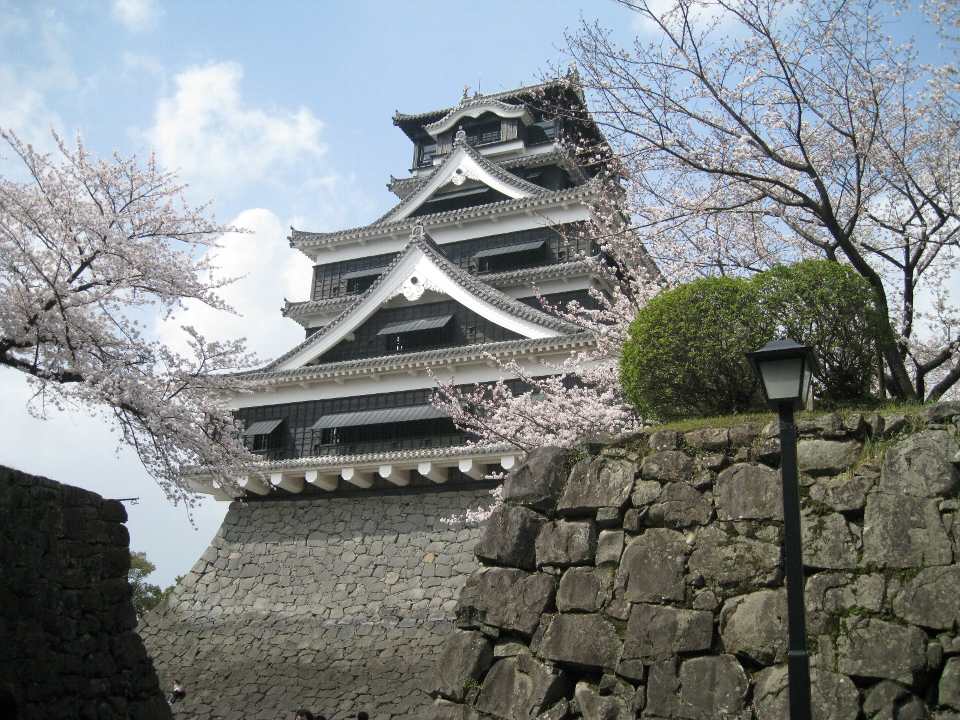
476 107
302 239
423 359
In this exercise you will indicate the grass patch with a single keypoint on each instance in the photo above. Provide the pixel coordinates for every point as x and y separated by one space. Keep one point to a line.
911 410
716 421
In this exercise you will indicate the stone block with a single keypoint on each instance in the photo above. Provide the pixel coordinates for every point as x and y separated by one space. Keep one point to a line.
744 435
843 493
680 505
538 482
597 483
645 492
832 595
667 466
520 687
949 688
564 543
609 546
931 598
829 541
582 589
657 632
942 412
832 696
902 531
826 457
652 566
465 658
921 465
581 640
755 626
446 710
594 706
705 688
558 711
733 562
509 537
505 598
749 492
664 440
608 517
828 425
869 647
882 701
709 439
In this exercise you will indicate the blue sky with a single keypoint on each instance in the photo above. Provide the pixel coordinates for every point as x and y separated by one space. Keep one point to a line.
280 113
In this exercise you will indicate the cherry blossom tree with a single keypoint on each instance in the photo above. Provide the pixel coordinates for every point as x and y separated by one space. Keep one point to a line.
580 397
746 133
90 251
757 132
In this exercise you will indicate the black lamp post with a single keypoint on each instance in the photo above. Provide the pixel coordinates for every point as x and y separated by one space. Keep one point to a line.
785 368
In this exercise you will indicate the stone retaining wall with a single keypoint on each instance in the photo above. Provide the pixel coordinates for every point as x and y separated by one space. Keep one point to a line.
646 581
334 604
67 643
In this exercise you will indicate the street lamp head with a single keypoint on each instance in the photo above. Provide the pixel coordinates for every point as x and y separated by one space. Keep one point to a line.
784 368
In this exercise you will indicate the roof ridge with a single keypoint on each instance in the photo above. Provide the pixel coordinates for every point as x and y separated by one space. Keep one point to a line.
465 279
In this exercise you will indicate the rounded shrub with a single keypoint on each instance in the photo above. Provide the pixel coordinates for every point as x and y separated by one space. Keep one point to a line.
830 307
685 352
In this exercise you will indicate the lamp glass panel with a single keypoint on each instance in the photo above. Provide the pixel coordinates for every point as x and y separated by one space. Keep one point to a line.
781 378
807 375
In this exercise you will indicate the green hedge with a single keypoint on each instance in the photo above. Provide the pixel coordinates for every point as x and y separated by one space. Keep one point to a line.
685 353
831 308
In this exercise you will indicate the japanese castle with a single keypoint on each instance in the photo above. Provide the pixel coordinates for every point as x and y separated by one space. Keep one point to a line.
490 215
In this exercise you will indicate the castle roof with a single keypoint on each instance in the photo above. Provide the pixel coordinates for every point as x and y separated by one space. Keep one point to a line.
419 266
422 360
409 122
508 279
461 163
303 240
403 187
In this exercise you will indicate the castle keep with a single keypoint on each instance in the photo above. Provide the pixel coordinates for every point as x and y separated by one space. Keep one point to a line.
334 577
491 213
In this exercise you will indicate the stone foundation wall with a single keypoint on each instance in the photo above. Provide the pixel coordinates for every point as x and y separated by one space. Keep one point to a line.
67 643
334 604
647 582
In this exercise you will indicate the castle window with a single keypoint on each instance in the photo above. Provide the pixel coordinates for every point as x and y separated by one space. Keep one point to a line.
263 435
409 335
359 280
510 257
425 154
484 133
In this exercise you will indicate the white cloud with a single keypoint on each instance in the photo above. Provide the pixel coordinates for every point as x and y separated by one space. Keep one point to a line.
136 15
218 143
25 110
28 83
271 271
